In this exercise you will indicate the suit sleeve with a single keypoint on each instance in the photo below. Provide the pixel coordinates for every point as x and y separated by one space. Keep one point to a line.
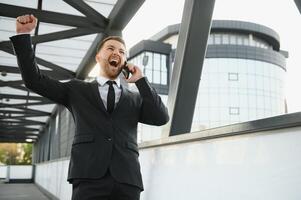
33 79
152 111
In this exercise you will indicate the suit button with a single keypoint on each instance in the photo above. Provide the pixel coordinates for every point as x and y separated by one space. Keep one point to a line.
109 139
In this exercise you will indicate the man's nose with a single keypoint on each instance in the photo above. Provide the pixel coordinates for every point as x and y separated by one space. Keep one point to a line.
116 52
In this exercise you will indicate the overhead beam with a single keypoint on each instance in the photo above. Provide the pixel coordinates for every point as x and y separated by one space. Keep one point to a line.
89 12
121 14
22 105
190 54
23 97
18 134
19 87
16 70
60 35
50 65
23 122
298 4
48 16
23 112
22 129
26 115
11 83
13 112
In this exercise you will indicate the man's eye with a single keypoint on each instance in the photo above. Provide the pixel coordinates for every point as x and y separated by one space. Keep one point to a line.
111 48
121 52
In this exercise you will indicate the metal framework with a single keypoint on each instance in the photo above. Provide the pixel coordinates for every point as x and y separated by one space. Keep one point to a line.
298 4
190 54
13 117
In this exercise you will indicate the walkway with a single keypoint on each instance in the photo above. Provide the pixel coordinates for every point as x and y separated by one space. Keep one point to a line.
20 191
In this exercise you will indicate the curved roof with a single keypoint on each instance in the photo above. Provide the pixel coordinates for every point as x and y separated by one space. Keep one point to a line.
260 31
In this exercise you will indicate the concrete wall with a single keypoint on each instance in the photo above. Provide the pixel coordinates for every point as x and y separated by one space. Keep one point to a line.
261 165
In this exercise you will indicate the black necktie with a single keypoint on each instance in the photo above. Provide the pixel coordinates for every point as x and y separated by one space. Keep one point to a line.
110 97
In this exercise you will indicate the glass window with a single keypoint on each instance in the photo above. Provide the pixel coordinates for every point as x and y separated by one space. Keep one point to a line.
232 76
157 77
217 39
233 110
157 62
149 75
239 40
232 39
210 39
149 64
246 41
225 39
163 63
164 78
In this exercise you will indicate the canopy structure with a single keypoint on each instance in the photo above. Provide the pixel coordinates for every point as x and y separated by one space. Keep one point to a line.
64 41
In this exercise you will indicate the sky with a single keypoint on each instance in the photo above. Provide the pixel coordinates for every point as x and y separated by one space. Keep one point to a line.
281 15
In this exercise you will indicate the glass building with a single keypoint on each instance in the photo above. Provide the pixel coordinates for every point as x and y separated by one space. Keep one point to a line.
242 77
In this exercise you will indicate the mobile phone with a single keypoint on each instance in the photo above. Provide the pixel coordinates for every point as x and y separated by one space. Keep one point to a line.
125 70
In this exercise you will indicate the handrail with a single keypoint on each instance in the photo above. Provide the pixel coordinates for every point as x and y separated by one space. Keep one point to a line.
266 124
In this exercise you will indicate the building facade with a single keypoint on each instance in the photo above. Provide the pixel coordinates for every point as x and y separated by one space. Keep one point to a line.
242 77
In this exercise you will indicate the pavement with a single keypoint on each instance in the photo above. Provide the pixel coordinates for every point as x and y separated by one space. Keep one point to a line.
18 191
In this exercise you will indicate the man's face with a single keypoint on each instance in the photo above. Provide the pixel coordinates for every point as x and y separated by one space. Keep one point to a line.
111 58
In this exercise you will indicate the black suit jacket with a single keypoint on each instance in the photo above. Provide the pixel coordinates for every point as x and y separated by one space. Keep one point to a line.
102 141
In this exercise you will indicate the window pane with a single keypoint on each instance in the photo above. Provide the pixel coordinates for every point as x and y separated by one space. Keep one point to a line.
163 63
156 77
157 62
149 75
164 78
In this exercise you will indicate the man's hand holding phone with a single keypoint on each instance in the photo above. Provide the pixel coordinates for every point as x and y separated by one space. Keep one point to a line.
135 72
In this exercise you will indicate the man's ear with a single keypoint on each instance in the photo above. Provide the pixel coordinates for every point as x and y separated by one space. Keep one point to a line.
97 57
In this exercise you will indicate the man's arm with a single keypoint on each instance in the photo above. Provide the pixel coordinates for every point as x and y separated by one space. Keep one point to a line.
39 83
153 111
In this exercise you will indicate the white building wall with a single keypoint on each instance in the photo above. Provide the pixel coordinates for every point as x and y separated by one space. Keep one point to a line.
52 176
261 166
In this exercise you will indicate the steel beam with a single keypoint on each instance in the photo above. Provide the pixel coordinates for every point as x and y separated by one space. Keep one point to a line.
23 105
14 96
11 83
16 70
19 133
48 16
43 62
60 35
89 12
190 54
23 122
298 4
119 17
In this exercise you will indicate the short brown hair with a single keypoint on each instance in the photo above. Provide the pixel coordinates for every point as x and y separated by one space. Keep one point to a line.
117 38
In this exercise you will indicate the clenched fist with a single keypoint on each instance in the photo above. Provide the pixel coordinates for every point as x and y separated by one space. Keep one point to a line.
25 23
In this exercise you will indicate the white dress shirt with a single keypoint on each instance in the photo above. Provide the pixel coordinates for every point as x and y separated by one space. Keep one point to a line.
103 88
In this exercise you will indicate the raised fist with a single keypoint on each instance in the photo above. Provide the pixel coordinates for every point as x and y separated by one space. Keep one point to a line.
26 23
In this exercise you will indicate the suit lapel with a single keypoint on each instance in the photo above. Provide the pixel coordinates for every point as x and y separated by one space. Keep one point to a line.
123 96
96 94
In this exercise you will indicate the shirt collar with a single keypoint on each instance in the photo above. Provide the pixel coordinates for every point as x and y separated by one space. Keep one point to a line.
102 80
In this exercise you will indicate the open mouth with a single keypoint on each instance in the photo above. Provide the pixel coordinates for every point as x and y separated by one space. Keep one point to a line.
114 61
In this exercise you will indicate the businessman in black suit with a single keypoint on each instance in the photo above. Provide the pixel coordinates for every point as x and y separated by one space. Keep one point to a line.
104 156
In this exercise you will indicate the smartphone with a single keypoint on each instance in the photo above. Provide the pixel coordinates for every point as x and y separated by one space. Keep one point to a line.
125 70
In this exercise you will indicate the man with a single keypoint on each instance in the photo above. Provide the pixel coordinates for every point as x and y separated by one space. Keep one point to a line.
104 156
